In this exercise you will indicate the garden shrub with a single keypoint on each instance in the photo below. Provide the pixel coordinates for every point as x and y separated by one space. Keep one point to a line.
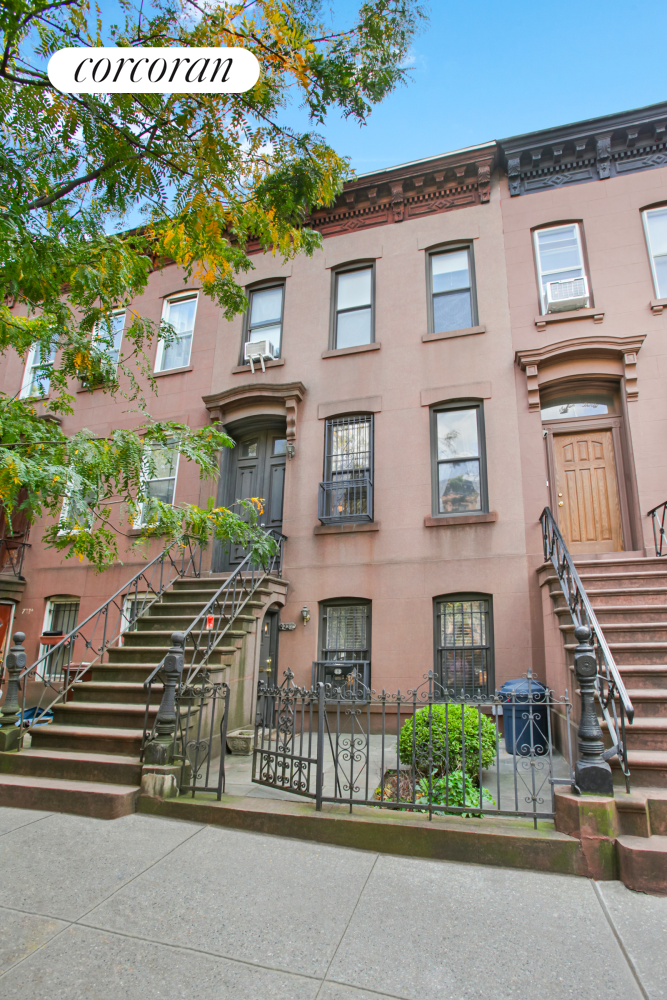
446 740
450 793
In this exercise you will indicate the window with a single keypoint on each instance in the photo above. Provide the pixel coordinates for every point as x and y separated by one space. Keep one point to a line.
347 491
265 317
451 289
353 312
180 313
61 617
567 405
36 381
160 483
463 644
345 641
560 259
114 336
459 471
76 512
655 224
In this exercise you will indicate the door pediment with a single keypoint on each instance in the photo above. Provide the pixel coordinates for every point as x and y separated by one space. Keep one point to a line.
256 399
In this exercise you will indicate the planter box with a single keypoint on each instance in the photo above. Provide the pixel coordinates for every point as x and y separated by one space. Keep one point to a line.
241 741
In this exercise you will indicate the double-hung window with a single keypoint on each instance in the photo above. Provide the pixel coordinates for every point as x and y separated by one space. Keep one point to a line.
159 482
265 318
655 224
560 263
353 311
180 314
452 290
77 511
36 378
347 491
459 472
108 341
463 644
345 643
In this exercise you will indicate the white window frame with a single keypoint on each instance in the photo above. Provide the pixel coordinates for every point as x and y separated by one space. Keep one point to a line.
651 255
542 274
139 519
97 330
168 302
28 378
64 513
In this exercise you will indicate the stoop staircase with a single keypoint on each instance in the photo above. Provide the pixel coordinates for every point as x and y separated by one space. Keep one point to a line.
87 760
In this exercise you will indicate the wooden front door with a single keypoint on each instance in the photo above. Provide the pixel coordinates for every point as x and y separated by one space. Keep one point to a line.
257 469
589 512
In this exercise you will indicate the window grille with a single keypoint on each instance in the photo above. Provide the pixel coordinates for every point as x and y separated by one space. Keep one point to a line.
347 491
464 652
346 632
62 618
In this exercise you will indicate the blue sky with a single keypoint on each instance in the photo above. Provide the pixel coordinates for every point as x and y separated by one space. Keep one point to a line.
486 70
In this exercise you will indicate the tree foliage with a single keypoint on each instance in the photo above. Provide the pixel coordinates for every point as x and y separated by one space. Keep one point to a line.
201 175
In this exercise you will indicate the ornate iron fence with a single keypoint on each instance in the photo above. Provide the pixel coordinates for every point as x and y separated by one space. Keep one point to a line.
424 751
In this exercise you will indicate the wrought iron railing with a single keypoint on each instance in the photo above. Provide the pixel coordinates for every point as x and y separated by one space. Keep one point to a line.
419 751
12 554
344 500
105 627
609 685
198 642
658 514
350 675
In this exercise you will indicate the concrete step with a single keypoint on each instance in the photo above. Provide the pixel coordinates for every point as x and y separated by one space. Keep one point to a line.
632 653
648 768
191 609
648 702
107 691
628 579
622 613
88 739
84 798
152 655
104 714
650 631
70 766
179 623
644 675
645 733
643 863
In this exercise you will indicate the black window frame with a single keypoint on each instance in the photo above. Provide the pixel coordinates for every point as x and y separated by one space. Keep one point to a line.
250 290
357 265
328 484
452 689
324 668
451 248
459 404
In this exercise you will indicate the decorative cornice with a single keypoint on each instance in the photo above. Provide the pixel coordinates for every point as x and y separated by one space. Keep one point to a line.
624 349
411 191
586 151
290 394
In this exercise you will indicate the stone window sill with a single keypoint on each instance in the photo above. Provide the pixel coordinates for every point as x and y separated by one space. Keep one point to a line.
541 322
345 529
466 331
657 305
275 363
358 349
449 520
173 371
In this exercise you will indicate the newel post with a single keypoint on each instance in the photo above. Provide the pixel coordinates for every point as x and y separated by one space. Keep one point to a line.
160 748
592 774
10 733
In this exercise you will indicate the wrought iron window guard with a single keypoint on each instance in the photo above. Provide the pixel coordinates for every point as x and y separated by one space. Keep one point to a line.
346 501
12 554
352 676
657 515
609 686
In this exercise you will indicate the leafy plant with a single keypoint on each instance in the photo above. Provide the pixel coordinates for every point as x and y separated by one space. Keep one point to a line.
450 793
435 739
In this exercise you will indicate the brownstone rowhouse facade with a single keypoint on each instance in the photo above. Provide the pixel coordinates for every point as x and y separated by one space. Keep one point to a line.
403 411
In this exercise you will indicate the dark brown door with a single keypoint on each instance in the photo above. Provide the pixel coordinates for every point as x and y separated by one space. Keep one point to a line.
589 512
257 469
6 611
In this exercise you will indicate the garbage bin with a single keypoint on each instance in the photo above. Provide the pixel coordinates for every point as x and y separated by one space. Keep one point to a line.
529 700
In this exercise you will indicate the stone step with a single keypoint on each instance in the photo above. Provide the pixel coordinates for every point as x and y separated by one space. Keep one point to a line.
152 655
648 702
104 714
632 653
645 675
618 596
629 580
649 632
179 623
191 609
70 766
645 733
643 863
119 693
621 561
88 739
84 798
136 673
647 768
621 613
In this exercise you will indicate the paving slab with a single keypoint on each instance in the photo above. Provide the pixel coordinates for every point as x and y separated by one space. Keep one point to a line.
64 865
281 903
84 964
435 930
14 819
641 923
23 933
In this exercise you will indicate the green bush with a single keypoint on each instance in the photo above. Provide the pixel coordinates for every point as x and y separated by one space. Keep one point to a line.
446 740
450 793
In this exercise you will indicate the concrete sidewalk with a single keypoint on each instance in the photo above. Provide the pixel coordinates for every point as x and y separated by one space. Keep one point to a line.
148 908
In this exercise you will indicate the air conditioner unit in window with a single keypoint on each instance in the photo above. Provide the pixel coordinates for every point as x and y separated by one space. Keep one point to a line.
565 295
259 350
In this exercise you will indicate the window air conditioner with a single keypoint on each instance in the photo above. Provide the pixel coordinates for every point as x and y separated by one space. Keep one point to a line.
563 296
259 350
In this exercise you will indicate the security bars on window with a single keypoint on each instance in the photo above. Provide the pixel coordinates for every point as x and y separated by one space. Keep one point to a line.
463 647
346 495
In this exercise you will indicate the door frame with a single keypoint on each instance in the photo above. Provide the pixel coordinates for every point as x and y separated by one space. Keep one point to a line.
578 425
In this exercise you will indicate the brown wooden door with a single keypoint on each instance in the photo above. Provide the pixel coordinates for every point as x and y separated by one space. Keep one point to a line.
589 512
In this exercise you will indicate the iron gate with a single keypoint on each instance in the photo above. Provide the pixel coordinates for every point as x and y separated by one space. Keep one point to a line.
425 751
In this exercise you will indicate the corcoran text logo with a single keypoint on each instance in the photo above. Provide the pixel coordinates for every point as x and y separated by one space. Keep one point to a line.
153 71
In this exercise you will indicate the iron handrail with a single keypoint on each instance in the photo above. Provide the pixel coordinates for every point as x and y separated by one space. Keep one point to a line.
582 613
124 623
658 526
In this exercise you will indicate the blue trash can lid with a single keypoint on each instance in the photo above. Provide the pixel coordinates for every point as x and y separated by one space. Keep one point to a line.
520 686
